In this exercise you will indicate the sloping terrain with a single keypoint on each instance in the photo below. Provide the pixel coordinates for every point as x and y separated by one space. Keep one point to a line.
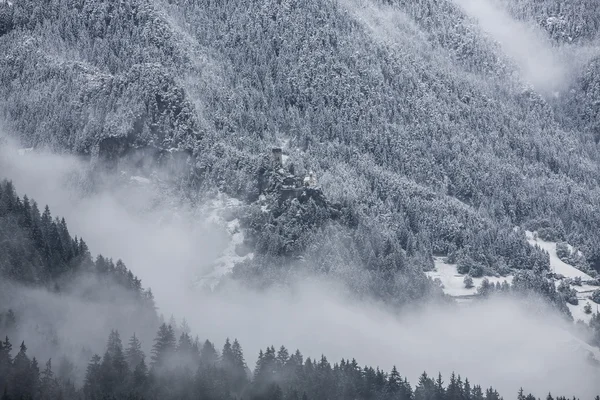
421 131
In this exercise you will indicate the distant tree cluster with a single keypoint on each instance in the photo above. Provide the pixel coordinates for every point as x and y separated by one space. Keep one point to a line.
525 283
188 369
38 249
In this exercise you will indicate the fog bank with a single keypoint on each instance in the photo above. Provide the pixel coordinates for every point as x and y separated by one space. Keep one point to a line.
546 66
165 243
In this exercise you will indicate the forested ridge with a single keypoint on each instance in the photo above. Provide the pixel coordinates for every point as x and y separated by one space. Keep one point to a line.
41 253
425 138
51 288
38 250
430 142
187 369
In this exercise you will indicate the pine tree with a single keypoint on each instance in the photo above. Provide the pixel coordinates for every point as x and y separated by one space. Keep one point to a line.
238 366
91 386
468 281
49 388
467 390
453 391
21 380
282 356
5 361
477 393
107 376
140 376
134 353
491 394
394 381
34 371
208 354
439 388
425 389
227 360
184 347
115 350
164 345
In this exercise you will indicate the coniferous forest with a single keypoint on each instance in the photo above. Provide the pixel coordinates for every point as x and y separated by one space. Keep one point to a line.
370 143
179 365
188 369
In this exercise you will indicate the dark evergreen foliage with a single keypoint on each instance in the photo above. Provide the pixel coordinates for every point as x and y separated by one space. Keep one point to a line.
38 250
277 376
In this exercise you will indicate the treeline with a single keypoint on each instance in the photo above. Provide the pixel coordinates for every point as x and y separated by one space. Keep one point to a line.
38 250
187 369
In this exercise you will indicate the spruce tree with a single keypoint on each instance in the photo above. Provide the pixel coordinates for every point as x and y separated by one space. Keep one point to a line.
164 346
394 381
134 353
467 390
21 379
91 386
208 354
115 349
140 377
49 387
5 362
238 371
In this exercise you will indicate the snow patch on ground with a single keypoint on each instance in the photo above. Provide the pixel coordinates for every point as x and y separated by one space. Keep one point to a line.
22 152
579 314
584 292
221 215
556 265
453 285
452 281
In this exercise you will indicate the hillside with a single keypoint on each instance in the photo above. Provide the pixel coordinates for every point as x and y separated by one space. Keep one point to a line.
412 118
60 300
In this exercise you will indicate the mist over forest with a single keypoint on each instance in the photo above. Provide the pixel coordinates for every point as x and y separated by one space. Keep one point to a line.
191 190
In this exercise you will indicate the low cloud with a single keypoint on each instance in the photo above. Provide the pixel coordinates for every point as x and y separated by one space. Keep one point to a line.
166 242
546 66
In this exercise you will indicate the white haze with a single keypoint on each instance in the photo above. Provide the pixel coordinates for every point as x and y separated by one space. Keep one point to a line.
496 343
548 68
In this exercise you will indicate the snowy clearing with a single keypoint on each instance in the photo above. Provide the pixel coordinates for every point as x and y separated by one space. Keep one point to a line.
452 281
584 292
556 265
579 314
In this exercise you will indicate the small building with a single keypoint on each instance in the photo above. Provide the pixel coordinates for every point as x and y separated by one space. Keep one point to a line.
277 154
